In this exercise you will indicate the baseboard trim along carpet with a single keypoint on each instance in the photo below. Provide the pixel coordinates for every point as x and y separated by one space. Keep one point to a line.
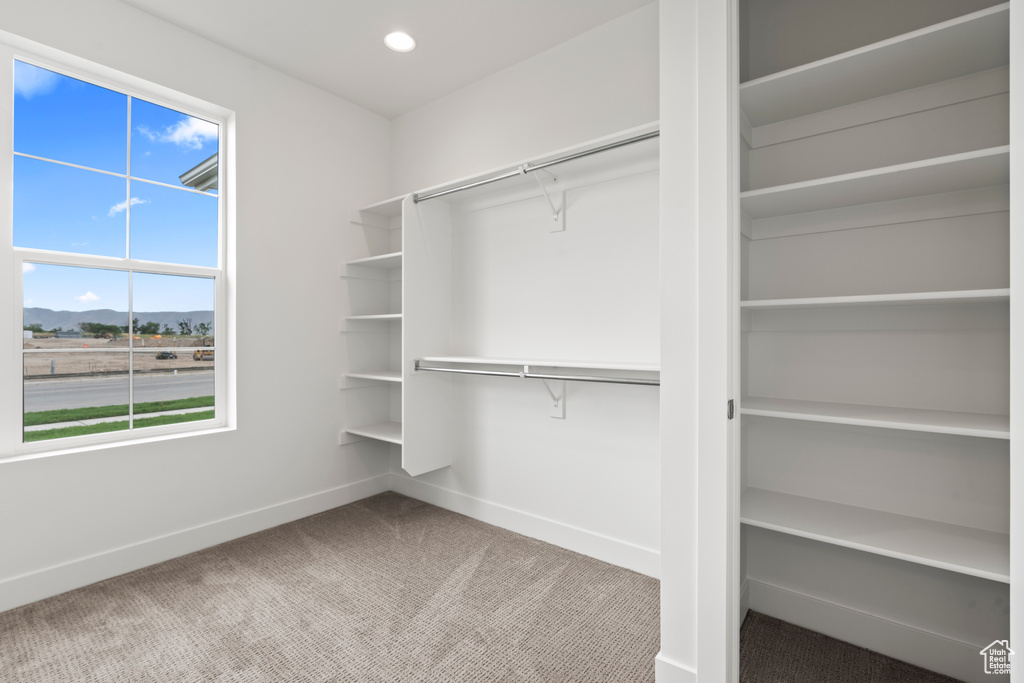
922 648
670 671
44 583
645 561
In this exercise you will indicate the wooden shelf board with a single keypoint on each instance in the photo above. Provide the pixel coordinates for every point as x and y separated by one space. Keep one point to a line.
546 363
969 44
384 431
976 552
966 296
379 316
910 419
385 261
965 171
379 375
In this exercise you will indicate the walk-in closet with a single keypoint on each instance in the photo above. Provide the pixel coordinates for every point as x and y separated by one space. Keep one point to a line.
874 327
503 333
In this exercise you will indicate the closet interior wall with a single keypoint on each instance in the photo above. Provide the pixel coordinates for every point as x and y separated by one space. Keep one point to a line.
874 318
520 290
491 274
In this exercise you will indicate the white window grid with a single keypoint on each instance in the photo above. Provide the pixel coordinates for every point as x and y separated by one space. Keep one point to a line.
132 87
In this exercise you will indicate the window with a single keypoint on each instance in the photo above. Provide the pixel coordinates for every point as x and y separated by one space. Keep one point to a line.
118 228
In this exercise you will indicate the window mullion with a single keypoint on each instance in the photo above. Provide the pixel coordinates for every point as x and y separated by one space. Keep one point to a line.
131 274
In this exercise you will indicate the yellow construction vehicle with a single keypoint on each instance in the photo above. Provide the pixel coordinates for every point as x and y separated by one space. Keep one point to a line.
204 353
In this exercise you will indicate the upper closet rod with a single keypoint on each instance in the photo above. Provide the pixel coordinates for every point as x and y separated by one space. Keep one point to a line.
525 374
527 168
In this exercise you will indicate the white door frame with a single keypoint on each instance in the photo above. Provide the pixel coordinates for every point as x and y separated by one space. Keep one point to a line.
700 454
1017 336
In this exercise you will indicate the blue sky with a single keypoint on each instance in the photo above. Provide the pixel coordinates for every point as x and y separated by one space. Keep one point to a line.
60 208
68 288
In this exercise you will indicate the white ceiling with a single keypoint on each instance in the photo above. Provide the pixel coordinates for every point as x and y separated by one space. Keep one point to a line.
338 45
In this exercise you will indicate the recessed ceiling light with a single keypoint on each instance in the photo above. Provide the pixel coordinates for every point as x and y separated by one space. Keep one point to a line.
399 41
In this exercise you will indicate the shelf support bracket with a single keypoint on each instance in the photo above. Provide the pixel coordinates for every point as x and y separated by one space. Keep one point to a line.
558 214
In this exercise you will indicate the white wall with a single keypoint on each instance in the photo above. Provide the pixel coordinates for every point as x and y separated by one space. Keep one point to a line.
305 160
601 82
589 482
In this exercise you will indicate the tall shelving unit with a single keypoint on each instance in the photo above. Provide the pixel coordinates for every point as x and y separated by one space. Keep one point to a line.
372 327
398 296
874 343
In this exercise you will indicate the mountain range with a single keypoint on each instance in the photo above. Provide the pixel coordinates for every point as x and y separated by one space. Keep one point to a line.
69 320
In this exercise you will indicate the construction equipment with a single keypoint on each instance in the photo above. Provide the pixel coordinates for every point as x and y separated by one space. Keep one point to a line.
204 353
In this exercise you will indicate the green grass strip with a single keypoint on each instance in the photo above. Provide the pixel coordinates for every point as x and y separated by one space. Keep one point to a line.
45 417
120 425
172 419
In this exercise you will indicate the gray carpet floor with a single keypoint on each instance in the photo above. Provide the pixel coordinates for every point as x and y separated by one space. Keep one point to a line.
387 589
774 651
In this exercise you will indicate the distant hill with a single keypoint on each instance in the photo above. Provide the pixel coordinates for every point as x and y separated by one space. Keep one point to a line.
69 320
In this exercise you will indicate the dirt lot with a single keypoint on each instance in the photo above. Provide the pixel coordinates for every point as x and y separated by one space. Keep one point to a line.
85 362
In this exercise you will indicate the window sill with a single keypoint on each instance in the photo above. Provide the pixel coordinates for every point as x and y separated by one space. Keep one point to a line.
38 450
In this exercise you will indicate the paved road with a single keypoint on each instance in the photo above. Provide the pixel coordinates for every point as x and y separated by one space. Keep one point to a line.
81 392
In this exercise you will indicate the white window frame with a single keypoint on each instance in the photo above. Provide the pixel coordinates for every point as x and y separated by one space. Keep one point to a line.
12 445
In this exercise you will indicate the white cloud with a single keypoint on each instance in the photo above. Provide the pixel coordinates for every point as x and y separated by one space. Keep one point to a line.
87 297
121 206
27 267
189 132
30 81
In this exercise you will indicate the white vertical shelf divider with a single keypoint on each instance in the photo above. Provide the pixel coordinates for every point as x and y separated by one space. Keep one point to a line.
426 303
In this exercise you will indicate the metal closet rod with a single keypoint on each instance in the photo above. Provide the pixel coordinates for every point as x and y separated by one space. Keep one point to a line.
533 375
528 168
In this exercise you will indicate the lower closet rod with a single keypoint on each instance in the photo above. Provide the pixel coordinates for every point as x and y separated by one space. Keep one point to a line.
532 375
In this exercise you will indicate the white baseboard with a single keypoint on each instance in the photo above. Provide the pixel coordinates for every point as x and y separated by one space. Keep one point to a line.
923 648
670 671
744 599
613 551
26 588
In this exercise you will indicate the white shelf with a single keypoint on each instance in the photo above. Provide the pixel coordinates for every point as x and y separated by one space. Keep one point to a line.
976 552
384 431
965 171
380 215
380 316
969 44
384 261
379 375
911 419
547 363
390 208
965 296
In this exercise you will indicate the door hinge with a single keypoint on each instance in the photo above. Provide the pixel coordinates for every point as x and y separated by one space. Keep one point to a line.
732 408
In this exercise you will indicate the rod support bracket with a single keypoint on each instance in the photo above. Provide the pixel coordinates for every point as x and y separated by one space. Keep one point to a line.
558 213
557 400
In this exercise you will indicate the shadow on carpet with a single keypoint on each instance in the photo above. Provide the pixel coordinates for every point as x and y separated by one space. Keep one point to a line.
775 651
